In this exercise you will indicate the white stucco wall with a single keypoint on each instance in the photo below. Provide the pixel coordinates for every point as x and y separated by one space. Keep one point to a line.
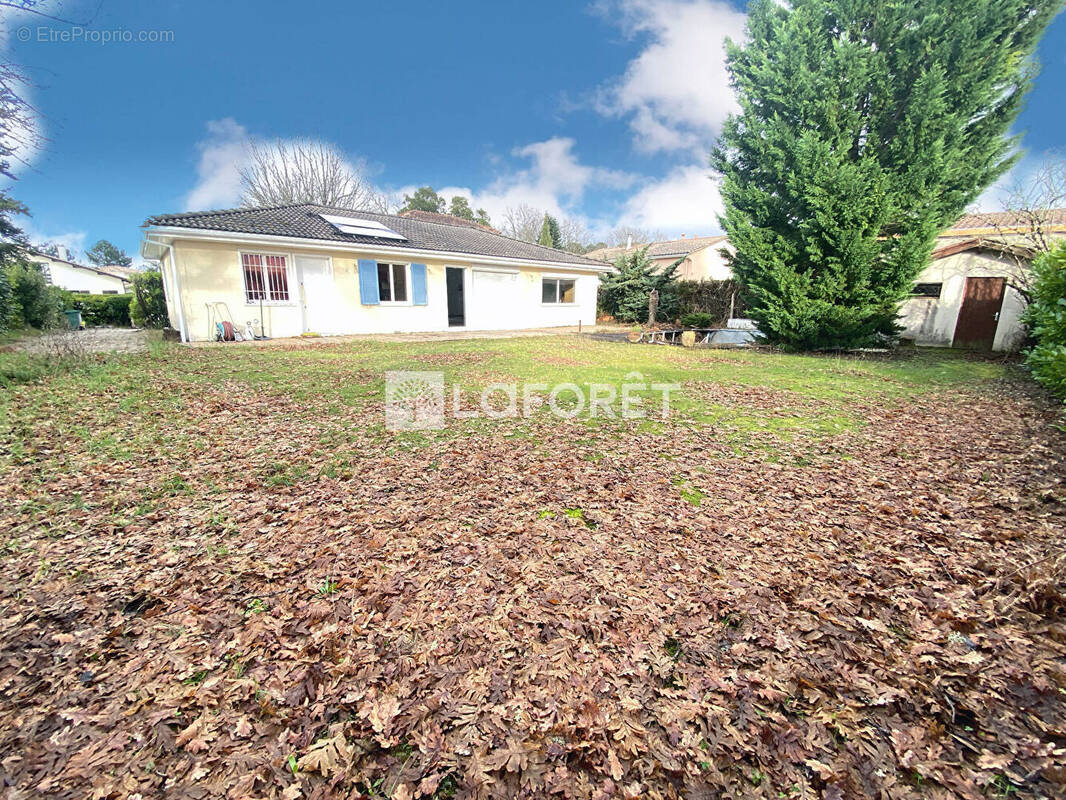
707 264
931 320
78 279
210 274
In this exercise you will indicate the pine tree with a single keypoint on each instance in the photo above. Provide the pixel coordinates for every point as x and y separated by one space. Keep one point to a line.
550 233
865 129
624 293
12 249
104 254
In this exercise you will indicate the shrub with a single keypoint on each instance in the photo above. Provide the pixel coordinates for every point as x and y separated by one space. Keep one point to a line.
697 319
1046 318
35 304
624 294
148 308
101 309
7 301
717 298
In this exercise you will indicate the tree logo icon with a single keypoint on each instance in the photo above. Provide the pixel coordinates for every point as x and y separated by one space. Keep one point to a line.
414 401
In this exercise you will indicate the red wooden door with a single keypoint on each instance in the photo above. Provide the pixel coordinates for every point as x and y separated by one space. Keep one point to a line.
982 301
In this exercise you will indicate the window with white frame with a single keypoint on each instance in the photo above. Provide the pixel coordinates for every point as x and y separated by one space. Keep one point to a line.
266 278
392 283
558 291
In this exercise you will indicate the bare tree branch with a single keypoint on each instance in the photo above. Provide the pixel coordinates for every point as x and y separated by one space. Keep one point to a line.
19 120
306 171
1027 223
522 222
621 235
35 7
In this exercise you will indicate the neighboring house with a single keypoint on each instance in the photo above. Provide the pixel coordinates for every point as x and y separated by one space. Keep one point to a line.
971 294
313 269
80 278
700 256
445 219
126 273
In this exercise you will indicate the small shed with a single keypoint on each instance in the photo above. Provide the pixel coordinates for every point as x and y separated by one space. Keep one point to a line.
969 296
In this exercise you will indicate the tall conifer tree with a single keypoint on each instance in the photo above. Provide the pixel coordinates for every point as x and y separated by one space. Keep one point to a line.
866 127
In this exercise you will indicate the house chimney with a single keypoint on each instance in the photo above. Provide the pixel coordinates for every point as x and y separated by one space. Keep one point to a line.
629 243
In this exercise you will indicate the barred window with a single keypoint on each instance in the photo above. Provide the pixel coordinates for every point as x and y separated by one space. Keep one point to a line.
266 278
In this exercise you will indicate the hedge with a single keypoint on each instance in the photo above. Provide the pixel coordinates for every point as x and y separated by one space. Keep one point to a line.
30 302
1046 318
112 310
148 308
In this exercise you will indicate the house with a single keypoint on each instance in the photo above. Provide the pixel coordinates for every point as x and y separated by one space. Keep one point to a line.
445 219
699 255
972 293
80 278
122 271
302 268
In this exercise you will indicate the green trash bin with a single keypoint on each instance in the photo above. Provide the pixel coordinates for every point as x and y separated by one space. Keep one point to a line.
73 319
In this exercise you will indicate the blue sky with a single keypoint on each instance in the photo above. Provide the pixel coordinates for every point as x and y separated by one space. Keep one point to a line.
602 111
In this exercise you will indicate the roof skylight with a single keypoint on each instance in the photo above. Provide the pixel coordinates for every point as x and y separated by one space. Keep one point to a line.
362 227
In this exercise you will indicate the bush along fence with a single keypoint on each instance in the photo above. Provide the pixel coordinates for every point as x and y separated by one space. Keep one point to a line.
148 309
710 303
111 310
1046 318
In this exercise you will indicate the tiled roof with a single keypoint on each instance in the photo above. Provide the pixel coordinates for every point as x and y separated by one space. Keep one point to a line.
302 221
1006 220
1004 247
445 219
119 271
666 249
91 268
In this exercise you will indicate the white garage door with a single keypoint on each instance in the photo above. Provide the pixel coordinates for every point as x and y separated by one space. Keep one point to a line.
494 301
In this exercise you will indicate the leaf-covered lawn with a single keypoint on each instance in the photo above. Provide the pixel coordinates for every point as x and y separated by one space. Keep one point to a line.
821 577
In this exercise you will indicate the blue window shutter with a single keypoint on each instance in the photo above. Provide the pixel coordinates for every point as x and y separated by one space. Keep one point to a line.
418 285
368 282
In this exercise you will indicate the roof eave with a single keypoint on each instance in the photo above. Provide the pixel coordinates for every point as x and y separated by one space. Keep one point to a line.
76 265
206 234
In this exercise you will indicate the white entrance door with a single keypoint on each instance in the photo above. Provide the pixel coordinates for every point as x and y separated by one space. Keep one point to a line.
494 301
317 294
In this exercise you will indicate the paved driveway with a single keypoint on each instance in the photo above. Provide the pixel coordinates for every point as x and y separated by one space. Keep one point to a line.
433 336
90 340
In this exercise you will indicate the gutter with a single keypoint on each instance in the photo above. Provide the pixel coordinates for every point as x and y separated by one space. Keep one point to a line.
183 330
177 232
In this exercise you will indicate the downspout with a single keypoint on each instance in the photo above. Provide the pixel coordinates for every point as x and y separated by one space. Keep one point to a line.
182 329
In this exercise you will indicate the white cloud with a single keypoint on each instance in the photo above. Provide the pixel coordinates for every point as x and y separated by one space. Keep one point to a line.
227 148
72 241
554 181
685 201
222 152
676 92
1026 179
